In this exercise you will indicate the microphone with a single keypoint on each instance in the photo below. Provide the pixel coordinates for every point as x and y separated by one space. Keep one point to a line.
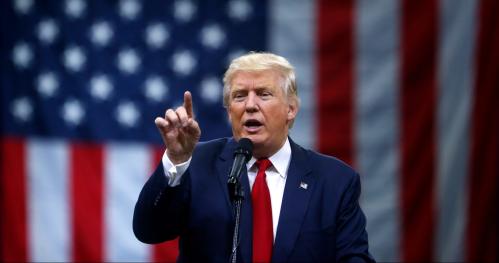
242 155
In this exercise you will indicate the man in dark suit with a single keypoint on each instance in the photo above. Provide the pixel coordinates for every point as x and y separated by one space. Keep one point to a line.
299 205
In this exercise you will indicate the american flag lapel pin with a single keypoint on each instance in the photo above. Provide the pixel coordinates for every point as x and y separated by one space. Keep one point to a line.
303 185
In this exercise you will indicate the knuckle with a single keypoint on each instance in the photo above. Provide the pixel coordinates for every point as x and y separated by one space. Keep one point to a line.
169 113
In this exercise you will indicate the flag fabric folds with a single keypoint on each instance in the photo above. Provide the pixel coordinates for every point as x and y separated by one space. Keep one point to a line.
403 91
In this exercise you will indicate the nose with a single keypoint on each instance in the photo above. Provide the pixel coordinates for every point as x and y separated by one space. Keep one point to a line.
252 102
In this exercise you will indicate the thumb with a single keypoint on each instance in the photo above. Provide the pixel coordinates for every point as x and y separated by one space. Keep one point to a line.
193 128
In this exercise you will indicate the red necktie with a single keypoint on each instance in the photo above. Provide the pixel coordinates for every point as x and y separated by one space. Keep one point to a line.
263 234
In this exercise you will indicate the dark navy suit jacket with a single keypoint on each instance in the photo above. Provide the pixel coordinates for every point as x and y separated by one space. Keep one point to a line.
322 223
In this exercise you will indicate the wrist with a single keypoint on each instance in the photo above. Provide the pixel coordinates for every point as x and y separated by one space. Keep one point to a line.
178 158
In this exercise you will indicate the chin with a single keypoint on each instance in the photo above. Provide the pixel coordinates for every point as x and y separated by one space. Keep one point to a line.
255 138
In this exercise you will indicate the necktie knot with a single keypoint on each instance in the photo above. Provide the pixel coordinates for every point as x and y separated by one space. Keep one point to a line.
263 164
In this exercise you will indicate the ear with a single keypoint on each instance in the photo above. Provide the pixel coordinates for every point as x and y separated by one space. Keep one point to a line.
292 109
228 114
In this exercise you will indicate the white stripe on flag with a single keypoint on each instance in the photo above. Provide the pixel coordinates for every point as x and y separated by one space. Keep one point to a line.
48 201
457 34
292 35
376 126
127 168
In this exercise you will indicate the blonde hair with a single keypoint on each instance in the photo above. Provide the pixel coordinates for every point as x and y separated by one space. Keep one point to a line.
260 61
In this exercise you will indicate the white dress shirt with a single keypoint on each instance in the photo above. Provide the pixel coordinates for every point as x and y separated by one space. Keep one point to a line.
276 176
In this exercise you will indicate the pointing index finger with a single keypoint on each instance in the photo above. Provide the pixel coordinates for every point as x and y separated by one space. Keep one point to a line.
188 104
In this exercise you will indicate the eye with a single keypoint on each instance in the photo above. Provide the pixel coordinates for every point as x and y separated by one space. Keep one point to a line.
265 94
238 96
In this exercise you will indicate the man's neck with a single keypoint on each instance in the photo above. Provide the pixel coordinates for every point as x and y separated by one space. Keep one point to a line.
266 152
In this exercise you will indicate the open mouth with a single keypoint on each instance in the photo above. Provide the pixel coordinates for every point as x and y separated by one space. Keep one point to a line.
252 125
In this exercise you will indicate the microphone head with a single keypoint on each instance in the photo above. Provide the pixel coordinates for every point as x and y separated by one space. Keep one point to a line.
245 146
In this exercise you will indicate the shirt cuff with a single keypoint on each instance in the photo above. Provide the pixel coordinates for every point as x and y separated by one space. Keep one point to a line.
174 172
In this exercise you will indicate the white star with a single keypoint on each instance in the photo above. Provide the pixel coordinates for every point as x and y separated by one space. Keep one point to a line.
127 114
72 112
22 109
184 10
47 84
129 9
239 9
156 35
155 89
22 55
101 33
75 8
212 36
23 6
211 89
183 62
128 61
74 58
101 87
47 31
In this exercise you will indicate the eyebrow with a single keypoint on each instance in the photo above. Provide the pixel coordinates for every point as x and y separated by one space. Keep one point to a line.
258 88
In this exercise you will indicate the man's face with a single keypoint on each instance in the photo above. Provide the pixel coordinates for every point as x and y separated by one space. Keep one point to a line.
260 110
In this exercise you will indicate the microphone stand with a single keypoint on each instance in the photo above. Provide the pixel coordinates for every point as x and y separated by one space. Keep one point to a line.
241 156
236 193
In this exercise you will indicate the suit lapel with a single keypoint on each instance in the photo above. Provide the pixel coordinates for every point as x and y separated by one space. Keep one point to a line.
246 226
223 167
297 192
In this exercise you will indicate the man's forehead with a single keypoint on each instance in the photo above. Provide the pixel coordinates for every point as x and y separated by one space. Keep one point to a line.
266 78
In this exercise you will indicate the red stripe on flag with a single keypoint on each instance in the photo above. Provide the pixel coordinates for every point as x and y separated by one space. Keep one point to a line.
13 228
418 97
166 251
482 227
87 171
335 80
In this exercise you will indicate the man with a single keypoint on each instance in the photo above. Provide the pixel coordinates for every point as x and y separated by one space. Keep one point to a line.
301 207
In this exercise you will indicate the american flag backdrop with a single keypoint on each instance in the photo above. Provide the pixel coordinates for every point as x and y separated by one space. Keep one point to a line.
405 91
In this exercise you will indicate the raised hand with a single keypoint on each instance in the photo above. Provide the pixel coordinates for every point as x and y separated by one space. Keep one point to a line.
179 130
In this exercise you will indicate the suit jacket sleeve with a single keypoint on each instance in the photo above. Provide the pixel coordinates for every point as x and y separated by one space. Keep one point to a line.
161 211
352 243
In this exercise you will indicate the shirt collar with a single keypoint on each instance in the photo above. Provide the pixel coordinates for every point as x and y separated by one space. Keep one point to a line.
280 160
